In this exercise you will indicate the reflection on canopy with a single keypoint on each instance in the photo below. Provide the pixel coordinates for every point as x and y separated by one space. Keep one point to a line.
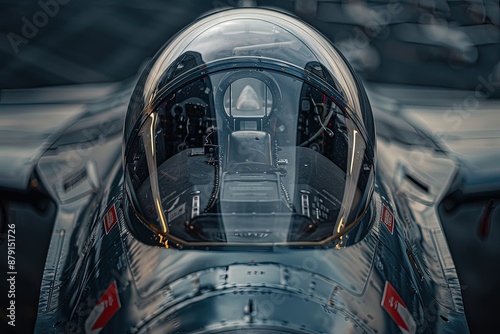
248 135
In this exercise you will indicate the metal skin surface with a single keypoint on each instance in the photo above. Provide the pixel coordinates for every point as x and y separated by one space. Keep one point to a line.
287 290
96 265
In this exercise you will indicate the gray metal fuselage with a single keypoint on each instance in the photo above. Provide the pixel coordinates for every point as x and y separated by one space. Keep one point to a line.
95 256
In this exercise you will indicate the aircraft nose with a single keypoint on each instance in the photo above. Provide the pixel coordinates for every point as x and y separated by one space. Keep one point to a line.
252 310
260 310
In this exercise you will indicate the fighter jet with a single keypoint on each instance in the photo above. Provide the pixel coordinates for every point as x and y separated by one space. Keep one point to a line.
240 191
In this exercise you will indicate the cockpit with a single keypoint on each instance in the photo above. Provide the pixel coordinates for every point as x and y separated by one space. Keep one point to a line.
234 146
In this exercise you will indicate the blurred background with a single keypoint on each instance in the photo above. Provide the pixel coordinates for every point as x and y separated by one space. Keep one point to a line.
445 43
446 50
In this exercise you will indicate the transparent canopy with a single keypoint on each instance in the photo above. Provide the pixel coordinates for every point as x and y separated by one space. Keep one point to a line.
239 133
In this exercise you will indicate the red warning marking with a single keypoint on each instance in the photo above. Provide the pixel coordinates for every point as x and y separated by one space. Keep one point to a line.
394 305
110 219
387 218
104 310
